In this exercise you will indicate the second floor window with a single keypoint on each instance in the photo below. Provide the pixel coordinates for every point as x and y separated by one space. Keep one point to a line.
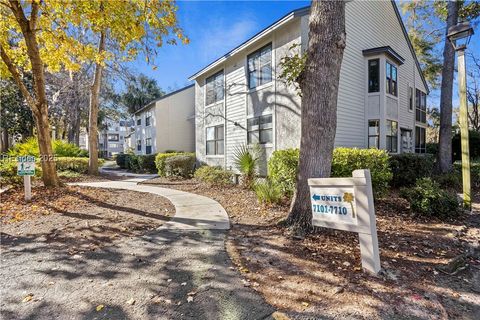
214 88
391 84
420 107
215 140
260 129
392 136
139 121
113 137
260 67
410 98
373 75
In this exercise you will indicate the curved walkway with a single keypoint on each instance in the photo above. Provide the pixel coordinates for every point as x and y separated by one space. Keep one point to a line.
179 271
192 211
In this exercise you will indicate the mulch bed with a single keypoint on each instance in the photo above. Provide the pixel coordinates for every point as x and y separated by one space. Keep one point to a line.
80 218
321 274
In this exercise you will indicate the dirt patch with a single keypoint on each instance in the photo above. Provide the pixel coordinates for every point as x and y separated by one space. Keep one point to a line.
80 218
321 274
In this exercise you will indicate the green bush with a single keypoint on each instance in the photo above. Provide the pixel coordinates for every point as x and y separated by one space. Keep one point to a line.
432 148
121 160
345 160
132 163
214 176
427 198
60 149
268 192
160 159
282 167
75 164
451 180
474 173
408 167
180 166
147 163
473 143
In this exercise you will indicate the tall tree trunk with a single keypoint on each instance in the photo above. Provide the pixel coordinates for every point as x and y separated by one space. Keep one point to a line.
38 103
319 84
445 133
93 112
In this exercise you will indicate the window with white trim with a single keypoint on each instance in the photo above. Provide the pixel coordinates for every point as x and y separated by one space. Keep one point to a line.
260 129
139 145
392 136
391 72
214 140
420 140
214 88
374 134
374 75
148 145
421 106
259 64
148 118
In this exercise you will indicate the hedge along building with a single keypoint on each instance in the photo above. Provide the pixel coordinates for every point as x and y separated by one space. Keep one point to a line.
166 123
240 99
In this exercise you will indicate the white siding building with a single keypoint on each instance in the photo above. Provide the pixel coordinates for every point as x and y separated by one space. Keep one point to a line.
111 141
240 99
167 123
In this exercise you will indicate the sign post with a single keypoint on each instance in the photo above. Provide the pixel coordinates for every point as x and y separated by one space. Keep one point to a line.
347 204
26 168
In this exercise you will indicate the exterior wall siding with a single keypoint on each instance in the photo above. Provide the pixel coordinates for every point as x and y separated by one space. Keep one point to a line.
369 24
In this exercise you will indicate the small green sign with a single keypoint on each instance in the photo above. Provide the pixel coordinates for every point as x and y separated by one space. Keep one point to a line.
26 166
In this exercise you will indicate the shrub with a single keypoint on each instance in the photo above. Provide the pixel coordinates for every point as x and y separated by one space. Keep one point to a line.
427 198
75 164
451 180
146 163
246 160
473 142
214 176
160 159
180 166
132 163
345 160
474 173
432 148
121 160
60 149
408 167
268 192
282 169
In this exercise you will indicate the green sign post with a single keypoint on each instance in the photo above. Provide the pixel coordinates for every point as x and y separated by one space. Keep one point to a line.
26 168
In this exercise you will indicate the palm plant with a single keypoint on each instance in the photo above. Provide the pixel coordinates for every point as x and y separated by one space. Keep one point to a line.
246 160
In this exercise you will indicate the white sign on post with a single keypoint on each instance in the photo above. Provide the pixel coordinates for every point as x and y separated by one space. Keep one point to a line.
26 168
347 204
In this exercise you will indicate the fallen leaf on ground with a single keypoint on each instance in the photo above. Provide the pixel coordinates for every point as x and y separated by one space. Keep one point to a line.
183 284
99 307
191 293
190 299
28 297
305 304
131 301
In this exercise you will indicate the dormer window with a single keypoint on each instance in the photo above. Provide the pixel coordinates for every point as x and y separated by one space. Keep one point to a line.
391 84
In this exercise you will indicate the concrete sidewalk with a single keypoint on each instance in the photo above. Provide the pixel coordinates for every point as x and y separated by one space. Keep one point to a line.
193 212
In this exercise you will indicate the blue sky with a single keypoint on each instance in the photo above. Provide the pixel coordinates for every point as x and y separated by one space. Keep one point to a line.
215 27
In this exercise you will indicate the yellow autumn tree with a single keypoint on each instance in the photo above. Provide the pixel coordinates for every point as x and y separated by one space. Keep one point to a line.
51 35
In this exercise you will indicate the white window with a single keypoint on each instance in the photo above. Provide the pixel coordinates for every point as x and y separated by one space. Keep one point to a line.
260 129
392 136
259 65
374 134
214 88
214 141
